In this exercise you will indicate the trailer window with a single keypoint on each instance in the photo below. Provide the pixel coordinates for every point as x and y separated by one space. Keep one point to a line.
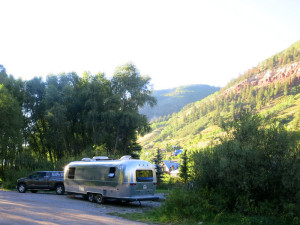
112 171
144 176
71 174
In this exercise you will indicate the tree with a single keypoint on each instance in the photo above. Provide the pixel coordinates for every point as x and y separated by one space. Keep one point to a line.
258 160
11 125
96 96
133 92
183 169
158 163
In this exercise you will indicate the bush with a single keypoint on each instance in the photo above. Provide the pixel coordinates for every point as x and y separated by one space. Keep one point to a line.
168 182
11 176
186 206
255 169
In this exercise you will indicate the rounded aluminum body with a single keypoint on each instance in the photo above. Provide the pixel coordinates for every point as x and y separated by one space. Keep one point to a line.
129 180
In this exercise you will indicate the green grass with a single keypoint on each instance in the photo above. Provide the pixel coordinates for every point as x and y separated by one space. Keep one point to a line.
219 219
234 219
162 191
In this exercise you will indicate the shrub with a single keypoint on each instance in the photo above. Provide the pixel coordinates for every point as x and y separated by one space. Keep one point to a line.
255 169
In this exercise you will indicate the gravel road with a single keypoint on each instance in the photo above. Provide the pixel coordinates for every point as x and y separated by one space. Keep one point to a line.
51 209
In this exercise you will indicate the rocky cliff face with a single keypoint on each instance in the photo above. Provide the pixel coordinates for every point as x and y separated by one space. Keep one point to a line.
290 72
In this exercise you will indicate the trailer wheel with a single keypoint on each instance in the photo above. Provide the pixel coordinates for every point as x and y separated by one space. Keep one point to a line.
99 199
90 197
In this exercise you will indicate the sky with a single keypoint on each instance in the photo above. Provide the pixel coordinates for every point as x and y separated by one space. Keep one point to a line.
174 42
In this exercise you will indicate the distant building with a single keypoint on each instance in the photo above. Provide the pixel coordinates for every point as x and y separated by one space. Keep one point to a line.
174 173
169 166
177 152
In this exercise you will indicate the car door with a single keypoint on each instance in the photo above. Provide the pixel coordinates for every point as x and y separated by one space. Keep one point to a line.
32 181
42 181
38 180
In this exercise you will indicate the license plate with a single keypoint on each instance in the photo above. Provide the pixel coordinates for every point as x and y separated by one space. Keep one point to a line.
144 186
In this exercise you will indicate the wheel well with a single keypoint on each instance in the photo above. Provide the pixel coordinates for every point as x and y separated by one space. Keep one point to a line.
59 184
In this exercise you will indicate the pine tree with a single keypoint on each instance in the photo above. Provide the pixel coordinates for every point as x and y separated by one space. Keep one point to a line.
183 169
158 162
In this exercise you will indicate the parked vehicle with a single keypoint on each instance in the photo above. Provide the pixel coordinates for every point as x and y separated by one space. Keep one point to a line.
42 180
99 178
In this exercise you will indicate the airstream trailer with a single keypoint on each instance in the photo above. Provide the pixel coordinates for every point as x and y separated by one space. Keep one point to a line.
99 178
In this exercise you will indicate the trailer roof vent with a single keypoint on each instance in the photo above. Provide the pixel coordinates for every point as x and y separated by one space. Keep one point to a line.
125 157
98 158
86 159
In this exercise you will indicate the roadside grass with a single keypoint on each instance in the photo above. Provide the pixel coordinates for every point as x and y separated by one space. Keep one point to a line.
162 191
182 208
155 217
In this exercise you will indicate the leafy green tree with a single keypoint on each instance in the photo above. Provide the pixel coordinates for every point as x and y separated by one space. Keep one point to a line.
254 165
96 96
11 125
133 92
35 111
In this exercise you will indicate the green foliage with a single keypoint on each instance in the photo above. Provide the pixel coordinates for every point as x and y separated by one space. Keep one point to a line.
158 163
169 182
11 125
250 177
10 177
183 168
257 164
204 206
67 116
289 55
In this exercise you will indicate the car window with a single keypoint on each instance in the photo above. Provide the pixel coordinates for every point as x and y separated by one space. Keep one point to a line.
57 174
34 176
42 174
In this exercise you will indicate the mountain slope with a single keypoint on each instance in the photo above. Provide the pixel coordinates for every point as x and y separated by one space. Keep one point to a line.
170 101
271 91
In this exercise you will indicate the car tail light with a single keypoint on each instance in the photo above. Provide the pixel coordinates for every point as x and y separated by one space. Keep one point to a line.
132 184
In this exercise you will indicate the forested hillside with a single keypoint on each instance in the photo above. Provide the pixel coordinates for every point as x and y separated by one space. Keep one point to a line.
171 101
240 163
271 89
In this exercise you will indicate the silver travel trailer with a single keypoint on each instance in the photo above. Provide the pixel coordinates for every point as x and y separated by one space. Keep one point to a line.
100 178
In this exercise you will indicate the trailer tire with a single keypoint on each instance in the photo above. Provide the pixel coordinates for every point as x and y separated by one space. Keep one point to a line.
99 199
22 188
90 197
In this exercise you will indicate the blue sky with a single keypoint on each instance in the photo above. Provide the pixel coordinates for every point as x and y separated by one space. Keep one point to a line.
174 42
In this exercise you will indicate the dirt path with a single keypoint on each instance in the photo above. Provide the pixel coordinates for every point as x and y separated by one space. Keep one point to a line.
52 209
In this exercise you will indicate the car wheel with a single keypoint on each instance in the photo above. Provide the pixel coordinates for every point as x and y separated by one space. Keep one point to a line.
99 199
22 188
60 189
90 197
33 191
